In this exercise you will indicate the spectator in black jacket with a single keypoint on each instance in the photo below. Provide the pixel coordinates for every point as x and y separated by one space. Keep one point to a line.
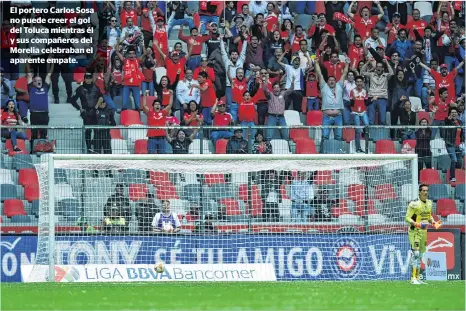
104 117
453 138
118 200
323 206
270 194
88 93
408 118
145 213
423 137
237 144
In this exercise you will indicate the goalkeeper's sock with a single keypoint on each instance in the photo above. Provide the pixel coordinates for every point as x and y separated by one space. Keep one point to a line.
414 273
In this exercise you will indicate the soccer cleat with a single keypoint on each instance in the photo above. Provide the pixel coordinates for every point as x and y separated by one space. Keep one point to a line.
421 282
415 281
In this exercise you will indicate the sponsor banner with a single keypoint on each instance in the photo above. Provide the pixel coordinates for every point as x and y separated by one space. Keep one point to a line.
436 266
147 273
294 257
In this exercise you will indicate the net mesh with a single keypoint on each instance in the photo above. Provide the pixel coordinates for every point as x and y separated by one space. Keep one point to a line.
313 219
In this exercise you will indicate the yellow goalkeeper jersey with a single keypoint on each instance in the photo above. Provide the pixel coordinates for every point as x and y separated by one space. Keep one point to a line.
419 212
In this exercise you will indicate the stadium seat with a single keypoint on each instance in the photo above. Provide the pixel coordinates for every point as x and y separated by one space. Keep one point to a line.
221 146
439 191
437 147
221 191
361 207
459 175
119 146
138 192
352 146
243 194
416 103
385 147
63 191
446 207
423 115
424 7
8 191
340 209
356 193
395 209
35 208
460 192
429 176
349 176
21 219
280 146
314 117
160 72
231 206
306 146
31 192
324 178
156 178
195 147
5 177
384 191
333 147
376 219
410 142
132 176
60 176
442 162
292 118
28 176
21 161
12 207
299 133
70 208
150 100
179 207
192 193
348 134
455 219
407 193
115 134
135 132
130 117
140 146
349 219
78 74
379 133
212 179
21 145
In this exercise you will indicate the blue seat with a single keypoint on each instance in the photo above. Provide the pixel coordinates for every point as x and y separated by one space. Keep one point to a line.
221 191
69 208
376 134
130 176
21 161
21 219
333 147
8 191
35 208
443 162
460 192
438 191
192 193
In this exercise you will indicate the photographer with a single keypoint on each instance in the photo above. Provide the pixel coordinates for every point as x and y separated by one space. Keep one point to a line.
88 93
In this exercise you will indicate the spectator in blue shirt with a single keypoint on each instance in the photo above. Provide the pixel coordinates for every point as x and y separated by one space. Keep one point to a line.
402 44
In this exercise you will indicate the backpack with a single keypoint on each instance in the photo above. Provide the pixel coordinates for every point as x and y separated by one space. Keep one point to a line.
44 146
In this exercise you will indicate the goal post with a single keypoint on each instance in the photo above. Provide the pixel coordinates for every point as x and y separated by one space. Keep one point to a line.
382 168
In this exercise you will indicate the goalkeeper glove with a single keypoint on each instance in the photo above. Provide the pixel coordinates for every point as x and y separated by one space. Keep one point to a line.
437 224
420 225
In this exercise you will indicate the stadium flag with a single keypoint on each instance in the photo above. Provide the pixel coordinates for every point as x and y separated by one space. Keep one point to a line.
147 273
436 266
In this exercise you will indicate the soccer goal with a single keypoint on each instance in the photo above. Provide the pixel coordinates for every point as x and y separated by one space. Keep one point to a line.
293 217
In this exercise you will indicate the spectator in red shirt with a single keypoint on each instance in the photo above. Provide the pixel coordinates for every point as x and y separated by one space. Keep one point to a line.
147 26
163 89
334 67
148 71
209 12
312 92
416 24
174 64
440 108
296 38
192 117
356 52
363 22
393 27
160 38
129 12
207 96
22 94
11 118
132 77
247 112
194 43
316 30
204 68
221 118
158 118
444 79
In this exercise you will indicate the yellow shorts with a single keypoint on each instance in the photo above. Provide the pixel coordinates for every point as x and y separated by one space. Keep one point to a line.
418 239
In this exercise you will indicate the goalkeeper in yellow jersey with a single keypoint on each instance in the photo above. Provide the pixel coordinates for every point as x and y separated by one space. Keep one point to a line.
419 216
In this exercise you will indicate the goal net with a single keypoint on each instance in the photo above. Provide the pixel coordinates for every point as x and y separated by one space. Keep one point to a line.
312 217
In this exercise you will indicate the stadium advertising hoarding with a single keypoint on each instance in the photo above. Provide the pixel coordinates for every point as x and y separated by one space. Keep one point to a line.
147 273
295 257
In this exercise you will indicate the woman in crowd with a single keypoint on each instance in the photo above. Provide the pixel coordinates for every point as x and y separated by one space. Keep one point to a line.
11 118
261 146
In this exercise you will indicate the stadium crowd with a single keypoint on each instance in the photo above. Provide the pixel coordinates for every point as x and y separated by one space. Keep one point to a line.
248 63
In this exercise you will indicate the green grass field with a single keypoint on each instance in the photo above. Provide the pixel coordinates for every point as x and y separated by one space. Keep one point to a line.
358 295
